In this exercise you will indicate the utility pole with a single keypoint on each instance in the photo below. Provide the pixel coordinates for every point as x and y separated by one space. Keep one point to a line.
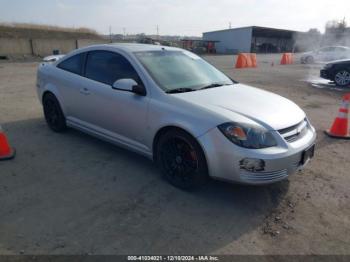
124 32
229 25
110 33
157 32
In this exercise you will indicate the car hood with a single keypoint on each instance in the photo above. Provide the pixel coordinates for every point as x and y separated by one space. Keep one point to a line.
341 61
267 109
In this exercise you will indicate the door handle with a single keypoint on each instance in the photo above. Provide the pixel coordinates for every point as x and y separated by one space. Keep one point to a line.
85 91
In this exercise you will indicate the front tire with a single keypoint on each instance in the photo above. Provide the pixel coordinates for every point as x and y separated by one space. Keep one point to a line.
53 113
342 77
309 60
181 160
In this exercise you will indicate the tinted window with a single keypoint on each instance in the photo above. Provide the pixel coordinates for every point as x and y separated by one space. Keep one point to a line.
107 67
73 64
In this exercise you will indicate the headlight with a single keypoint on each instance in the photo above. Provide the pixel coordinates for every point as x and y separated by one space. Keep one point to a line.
247 136
327 66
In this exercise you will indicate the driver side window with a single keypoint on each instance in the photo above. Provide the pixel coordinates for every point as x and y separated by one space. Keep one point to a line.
107 67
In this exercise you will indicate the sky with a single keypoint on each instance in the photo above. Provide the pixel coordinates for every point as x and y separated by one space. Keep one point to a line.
175 17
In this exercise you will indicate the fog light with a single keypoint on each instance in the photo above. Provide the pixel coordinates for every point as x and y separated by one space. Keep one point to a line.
252 164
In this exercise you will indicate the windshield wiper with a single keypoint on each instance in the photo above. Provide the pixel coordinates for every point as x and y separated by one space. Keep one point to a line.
213 85
187 89
180 90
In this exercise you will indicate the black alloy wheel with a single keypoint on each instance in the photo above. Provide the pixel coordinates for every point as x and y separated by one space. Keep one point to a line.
182 160
53 113
342 78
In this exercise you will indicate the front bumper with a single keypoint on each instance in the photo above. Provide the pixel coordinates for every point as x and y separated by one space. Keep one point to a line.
223 158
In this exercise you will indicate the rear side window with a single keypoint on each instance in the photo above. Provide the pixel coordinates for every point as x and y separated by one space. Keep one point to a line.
108 67
73 64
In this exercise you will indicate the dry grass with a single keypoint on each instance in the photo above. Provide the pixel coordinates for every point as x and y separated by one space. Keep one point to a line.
37 31
49 28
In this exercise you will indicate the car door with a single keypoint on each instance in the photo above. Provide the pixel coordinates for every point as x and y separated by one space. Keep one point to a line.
321 54
68 82
329 54
116 114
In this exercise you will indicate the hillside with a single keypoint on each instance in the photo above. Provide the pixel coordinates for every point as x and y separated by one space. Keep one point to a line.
45 31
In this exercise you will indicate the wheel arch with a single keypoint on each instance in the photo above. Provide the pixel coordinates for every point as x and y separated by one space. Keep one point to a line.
168 128
53 91
46 93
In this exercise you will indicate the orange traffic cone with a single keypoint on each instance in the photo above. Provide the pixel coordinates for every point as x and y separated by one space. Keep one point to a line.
291 58
287 59
246 60
284 59
253 60
340 126
6 152
241 61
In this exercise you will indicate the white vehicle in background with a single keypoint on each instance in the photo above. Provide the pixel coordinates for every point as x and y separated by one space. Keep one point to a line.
52 58
324 54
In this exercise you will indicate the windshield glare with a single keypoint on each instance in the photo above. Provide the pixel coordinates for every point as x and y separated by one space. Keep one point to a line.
180 69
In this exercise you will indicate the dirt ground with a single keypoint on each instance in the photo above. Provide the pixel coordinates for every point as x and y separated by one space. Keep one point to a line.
73 194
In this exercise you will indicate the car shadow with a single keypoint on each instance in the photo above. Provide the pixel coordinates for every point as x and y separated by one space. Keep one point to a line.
70 193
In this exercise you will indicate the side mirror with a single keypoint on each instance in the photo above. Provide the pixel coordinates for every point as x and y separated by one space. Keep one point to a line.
129 85
139 90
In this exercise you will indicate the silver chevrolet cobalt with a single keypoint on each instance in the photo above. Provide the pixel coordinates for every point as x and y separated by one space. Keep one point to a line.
178 110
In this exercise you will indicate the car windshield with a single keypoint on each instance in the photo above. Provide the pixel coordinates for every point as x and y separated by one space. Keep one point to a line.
181 71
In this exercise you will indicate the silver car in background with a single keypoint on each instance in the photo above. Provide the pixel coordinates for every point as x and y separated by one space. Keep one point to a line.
178 110
325 54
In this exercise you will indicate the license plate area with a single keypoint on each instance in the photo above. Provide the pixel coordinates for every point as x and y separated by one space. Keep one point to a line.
307 154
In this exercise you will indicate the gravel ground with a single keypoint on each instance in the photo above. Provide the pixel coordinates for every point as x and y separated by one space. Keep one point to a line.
73 194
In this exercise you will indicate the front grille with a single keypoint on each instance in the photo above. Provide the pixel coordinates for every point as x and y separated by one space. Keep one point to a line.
294 133
324 73
261 177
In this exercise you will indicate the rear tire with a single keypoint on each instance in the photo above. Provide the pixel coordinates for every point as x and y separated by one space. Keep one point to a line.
53 113
181 160
342 77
